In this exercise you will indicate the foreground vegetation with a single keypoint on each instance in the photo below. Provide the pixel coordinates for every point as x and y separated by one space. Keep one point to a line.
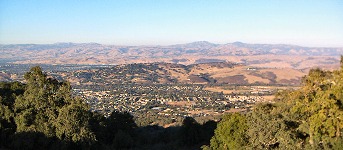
308 118
42 114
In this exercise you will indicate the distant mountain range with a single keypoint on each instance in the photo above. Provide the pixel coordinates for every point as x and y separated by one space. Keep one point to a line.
258 55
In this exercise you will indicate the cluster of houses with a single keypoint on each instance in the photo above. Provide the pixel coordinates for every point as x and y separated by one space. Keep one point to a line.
165 100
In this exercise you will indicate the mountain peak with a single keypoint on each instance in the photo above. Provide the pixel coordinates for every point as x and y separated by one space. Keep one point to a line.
201 42
198 44
238 43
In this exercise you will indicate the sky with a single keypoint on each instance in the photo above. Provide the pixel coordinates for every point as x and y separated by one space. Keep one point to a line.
165 22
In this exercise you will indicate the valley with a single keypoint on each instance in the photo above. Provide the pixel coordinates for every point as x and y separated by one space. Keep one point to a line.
160 85
164 93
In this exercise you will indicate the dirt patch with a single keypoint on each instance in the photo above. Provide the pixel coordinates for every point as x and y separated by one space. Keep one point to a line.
236 79
217 89
197 79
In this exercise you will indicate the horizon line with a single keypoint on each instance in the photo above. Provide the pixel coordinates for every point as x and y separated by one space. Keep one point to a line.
181 43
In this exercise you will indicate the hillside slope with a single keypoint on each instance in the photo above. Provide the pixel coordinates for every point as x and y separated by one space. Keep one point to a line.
261 55
162 73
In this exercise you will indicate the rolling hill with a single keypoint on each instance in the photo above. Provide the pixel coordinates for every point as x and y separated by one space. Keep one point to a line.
169 73
257 55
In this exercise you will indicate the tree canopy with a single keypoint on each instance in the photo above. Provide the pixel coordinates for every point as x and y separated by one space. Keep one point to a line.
43 114
308 118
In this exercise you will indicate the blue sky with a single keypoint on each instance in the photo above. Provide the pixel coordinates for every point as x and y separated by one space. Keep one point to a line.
164 22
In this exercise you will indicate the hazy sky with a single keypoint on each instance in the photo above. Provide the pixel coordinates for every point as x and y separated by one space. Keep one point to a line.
163 22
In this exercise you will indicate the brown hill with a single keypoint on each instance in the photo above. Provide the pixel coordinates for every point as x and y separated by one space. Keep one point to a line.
258 55
165 73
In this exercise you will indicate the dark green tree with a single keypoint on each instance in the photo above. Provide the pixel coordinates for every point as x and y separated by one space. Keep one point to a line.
270 129
318 108
9 91
8 94
230 133
47 107
122 140
72 125
38 107
190 131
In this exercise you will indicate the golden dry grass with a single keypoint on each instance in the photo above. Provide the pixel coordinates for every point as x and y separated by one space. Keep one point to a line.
218 89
